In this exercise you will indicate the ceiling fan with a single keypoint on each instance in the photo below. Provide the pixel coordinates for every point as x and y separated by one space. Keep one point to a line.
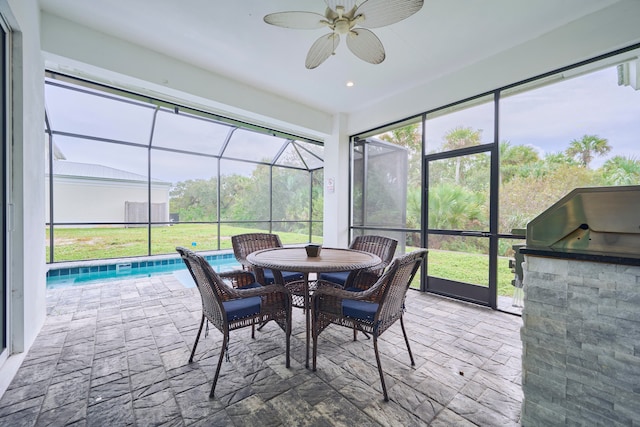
345 18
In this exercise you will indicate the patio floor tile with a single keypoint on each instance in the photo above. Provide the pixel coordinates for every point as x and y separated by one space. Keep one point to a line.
117 354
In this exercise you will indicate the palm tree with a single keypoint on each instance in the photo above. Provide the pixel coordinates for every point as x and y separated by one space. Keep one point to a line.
461 137
585 148
621 170
515 159
452 207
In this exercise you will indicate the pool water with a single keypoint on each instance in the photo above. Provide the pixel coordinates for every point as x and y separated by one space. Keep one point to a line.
80 276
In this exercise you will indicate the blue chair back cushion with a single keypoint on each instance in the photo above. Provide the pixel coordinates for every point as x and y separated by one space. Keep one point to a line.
243 307
288 276
338 277
362 310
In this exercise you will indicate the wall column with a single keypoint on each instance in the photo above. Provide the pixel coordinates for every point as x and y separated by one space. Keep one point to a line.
336 184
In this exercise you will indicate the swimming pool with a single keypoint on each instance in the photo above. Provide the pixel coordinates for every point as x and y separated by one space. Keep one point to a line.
80 275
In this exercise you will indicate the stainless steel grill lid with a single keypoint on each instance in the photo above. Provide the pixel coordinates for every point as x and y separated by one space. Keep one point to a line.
599 220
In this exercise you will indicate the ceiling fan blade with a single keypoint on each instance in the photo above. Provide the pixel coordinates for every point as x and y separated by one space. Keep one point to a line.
347 4
380 13
321 50
365 45
296 20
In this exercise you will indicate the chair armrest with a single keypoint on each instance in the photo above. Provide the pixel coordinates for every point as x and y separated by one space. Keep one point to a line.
272 294
238 278
329 299
372 294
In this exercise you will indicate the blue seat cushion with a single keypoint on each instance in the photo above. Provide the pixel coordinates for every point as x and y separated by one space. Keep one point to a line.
243 307
288 276
250 286
338 277
362 310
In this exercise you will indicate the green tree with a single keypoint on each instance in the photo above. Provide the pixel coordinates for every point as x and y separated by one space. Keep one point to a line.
524 198
452 207
514 160
621 170
461 137
585 148
195 200
410 137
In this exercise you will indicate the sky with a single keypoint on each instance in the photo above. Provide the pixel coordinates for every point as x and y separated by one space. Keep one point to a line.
546 118
550 117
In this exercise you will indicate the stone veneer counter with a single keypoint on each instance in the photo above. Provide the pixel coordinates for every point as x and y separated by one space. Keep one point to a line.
581 339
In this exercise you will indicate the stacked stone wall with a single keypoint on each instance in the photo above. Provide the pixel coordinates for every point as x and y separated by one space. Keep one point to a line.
581 343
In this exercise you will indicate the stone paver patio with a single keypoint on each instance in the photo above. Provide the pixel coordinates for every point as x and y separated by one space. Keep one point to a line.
116 355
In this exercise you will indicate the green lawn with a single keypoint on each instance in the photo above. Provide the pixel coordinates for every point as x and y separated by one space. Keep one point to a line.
74 244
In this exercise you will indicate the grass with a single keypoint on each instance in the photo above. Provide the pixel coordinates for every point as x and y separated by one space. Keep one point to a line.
469 268
73 244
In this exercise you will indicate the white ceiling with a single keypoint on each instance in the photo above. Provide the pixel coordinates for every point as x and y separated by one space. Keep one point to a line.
231 39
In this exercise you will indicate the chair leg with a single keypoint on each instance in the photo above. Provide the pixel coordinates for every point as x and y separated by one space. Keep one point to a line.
355 334
406 340
288 333
315 352
193 352
225 340
314 339
384 387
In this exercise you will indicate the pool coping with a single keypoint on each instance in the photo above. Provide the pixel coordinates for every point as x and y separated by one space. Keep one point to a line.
116 264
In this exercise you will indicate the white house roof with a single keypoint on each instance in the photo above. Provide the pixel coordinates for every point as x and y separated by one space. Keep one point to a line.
94 171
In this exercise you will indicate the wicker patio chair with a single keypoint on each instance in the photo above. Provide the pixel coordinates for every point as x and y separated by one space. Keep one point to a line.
243 304
373 310
383 247
244 244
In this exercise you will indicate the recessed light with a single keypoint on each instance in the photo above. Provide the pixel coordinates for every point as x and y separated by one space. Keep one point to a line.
349 84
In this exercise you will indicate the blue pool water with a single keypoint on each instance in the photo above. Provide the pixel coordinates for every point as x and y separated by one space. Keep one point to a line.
80 276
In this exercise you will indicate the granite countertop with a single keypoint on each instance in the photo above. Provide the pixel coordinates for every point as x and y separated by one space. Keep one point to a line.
624 259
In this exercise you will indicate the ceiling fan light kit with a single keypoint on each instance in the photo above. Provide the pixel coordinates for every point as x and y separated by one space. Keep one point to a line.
347 18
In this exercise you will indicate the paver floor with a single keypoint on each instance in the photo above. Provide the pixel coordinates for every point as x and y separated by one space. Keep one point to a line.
116 354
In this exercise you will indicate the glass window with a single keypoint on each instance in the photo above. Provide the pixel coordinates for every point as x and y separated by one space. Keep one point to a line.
85 112
100 182
189 133
463 125
244 193
382 172
112 191
193 196
258 147
574 132
388 178
292 190
459 193
107 241
290 157
198 237
312 154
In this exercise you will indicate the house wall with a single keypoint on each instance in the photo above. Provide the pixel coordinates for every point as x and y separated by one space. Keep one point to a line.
71 196
26 215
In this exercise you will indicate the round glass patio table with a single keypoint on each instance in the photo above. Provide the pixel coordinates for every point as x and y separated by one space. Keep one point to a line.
296 259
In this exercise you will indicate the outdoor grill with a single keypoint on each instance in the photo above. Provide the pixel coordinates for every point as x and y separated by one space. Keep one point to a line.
580 311
597 220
